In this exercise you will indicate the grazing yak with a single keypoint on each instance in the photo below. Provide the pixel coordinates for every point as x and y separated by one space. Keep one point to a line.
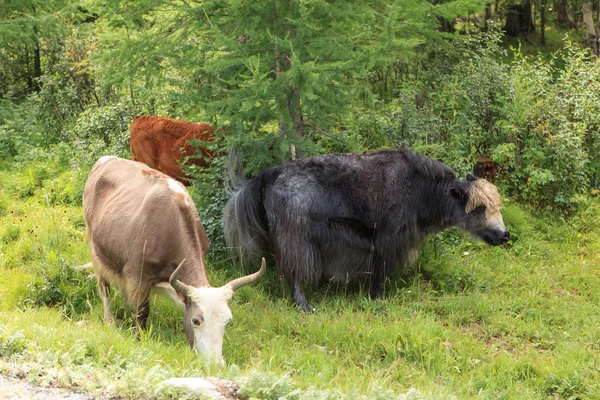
144 233
346 217
163 144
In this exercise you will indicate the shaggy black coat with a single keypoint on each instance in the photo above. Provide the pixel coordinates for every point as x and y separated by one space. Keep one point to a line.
346 217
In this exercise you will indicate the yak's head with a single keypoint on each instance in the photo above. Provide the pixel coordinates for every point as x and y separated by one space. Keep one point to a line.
481 203
206 313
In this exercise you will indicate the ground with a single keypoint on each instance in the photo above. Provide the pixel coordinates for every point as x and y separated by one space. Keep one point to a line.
12 388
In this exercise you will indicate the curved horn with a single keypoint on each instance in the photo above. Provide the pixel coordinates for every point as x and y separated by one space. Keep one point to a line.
179 286
245 280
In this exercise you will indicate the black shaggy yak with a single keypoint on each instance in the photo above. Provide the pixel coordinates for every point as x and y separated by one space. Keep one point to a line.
345 217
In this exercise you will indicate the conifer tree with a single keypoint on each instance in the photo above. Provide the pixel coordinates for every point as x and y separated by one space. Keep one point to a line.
28 28
278 69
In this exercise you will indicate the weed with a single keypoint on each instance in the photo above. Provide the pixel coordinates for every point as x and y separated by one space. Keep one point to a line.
11 233
61 285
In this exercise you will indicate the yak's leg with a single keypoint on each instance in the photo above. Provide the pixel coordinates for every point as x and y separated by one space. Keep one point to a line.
104 290
298 296
377 283
384 259
296 258
141 316
139 298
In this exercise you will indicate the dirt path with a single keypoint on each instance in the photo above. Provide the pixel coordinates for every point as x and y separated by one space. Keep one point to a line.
19 389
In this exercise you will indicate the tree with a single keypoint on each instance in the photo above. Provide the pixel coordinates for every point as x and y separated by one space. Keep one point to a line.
518 18
543 22
280 71
28 28
588 20
562 19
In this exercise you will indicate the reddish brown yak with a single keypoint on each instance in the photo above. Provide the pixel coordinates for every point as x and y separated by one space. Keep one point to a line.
162 143
144 234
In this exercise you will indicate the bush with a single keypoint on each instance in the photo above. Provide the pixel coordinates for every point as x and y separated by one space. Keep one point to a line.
551 130
210 196
11 344
19 130
109 123
451 115
60 286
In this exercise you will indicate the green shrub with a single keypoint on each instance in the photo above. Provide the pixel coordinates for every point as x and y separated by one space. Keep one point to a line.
210 196
11 343
60 286
8 145
109 123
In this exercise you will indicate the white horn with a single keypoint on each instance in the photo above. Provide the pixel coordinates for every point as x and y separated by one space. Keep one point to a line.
245 280
179 286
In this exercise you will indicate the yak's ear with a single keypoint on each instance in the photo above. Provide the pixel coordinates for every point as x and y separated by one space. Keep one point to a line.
459 194
470 178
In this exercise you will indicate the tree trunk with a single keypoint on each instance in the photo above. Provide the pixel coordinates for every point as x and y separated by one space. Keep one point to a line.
543 22
29 74
37 66
588 20
518 19
562 16
37 59
445 25
277 59
488 15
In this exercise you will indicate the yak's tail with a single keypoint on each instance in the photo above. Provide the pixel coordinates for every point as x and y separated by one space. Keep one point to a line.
245 223
235 170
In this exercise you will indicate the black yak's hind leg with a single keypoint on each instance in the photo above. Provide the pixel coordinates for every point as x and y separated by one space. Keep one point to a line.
384 259
299 298
297 259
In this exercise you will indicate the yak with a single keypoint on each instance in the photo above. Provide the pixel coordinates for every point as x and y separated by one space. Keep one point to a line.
144 234
348 217
163 144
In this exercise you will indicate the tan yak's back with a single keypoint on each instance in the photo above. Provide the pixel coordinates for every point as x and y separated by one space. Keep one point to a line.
144 233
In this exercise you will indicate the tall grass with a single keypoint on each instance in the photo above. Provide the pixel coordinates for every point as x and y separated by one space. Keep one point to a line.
465 321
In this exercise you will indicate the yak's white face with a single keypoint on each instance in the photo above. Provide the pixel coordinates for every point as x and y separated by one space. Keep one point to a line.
483 210
205 311
205 315
208 315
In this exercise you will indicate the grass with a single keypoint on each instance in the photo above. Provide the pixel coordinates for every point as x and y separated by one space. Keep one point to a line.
466 321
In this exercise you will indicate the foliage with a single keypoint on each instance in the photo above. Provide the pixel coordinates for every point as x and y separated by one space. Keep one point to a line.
452 113
537 119
19 130
210 195
26 27
550 154
60 285
11 343
266 73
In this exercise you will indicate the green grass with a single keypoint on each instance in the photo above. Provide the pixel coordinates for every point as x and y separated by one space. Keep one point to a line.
466 321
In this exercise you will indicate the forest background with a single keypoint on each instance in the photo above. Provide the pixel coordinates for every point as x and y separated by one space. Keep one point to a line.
513 82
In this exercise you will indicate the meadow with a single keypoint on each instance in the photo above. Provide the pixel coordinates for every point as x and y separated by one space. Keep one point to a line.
465 321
